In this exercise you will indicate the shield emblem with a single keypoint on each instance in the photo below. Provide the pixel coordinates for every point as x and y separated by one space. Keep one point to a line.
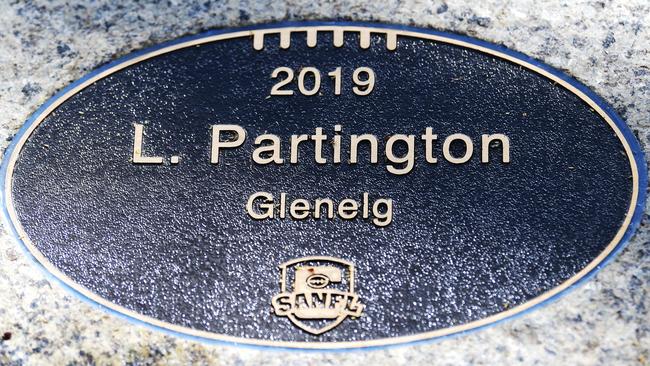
317 293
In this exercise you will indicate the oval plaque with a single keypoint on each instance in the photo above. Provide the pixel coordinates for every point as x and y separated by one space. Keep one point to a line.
323 185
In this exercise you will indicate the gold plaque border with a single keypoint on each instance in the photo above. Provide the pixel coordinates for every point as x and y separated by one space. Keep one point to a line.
255 33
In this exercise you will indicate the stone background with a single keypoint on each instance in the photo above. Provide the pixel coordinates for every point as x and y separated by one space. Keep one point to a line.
45 45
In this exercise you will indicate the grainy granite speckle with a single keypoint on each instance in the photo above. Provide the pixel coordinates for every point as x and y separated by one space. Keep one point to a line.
45 45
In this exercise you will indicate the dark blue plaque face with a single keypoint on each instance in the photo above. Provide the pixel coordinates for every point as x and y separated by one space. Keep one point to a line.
323 185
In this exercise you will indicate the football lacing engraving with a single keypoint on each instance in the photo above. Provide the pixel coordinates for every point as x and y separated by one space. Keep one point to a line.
312 37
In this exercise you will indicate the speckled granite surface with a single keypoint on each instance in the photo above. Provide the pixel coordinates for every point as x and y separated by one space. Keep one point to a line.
46 45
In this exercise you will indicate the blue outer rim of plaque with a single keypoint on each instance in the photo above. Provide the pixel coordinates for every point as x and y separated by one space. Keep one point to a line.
635 148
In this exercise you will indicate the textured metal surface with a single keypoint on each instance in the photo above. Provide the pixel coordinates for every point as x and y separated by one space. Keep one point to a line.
466 242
